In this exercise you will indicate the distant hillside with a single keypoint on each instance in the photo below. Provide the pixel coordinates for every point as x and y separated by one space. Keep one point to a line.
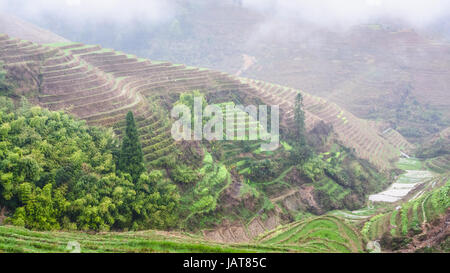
232 191
19 28
379 71
101 85
230 178
382 71
379 146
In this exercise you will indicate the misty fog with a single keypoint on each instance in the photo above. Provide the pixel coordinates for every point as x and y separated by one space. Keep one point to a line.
322 12
350 12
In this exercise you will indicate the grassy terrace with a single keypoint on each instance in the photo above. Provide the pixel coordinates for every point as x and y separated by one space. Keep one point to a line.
335 190
13 239
429 204
320 234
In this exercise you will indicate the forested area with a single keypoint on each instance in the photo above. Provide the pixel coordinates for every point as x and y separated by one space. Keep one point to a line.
58 173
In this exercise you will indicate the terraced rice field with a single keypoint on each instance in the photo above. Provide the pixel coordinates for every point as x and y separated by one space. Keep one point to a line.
439 164
397 140
404 184
354 216
242 123
318 235
322 234
360 81
102 85
352 131
17 240
407 182
334 190
426 206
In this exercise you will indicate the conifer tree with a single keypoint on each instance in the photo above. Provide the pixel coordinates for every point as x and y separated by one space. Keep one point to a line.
5 87
300 131
301 151
131 159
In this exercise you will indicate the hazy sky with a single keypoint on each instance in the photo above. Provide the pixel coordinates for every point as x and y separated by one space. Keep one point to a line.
349 12
322 12
114 10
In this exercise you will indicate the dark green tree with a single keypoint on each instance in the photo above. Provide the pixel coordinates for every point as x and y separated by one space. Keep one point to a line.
301 151
300 131
5 86
131 159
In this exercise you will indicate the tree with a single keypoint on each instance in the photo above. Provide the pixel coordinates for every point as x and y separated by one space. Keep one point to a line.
56 172
2 73
42 208
5 86
131 159
301 151
300 131
183 174
188 99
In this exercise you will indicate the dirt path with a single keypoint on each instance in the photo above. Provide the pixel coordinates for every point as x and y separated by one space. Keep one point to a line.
284 196
248 61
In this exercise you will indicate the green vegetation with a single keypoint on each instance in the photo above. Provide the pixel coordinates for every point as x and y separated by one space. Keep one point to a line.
440 164
301 151
56 172
19 240
340 180
412 119
5 86
203 197
286 146
131 159
436 152
395 226
318 234
409 164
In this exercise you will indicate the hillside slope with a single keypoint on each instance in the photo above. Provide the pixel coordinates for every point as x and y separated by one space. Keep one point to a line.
369 70
228 183
16 27
101 85
422 222
385 70
369 143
